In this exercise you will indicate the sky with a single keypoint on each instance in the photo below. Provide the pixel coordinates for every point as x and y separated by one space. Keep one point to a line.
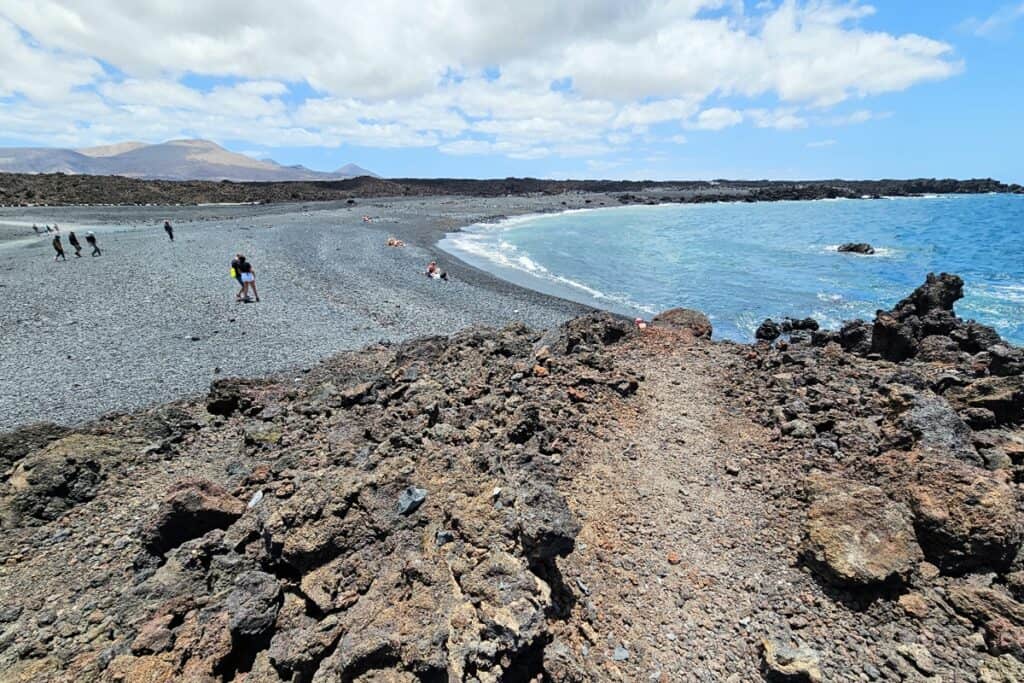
641 89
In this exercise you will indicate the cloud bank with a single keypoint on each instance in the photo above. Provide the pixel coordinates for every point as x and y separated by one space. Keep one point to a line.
524 80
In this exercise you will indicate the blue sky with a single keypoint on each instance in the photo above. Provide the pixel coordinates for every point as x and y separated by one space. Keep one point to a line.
656 89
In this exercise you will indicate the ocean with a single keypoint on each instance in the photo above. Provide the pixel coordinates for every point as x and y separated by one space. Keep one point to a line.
741 263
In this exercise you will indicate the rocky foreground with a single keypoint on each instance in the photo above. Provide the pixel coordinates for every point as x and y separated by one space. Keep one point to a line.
590 503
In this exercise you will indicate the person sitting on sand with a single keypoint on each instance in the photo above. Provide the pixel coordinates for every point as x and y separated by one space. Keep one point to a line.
91 239
394 242
169 230
248 281
73 241
432 269
59 248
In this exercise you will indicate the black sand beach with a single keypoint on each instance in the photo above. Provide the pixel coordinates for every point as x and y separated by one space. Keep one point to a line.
152 320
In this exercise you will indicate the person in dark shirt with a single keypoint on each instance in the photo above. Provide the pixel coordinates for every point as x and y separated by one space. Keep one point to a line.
248 281
169 230
73 241
91 239
59 248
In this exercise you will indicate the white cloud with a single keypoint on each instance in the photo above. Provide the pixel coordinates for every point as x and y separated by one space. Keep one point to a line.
856 117
998 24
396 74
781 119
716 118
817 144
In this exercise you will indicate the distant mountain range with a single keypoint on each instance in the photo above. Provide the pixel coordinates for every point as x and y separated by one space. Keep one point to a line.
171 160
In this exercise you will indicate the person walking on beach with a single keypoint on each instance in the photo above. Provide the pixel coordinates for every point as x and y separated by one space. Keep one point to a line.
248 281
91 239
169 230
75 244
236 273
59 248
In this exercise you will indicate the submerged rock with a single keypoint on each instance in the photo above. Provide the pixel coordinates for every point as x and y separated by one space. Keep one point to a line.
857 248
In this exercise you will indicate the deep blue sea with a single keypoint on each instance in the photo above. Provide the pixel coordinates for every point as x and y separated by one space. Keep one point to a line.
741 263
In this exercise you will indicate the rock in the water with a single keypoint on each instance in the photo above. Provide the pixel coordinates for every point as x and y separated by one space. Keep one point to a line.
695 322
857 248
783 663
410 500
769 330
859 536
192 508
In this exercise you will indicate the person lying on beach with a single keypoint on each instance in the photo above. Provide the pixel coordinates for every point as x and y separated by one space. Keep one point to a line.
59 248
393 242
73 241
91 239
169 230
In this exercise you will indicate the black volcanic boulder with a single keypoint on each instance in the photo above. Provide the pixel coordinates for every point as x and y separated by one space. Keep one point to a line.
939 292
855 337
769 330
687 319
928 312
587 333
857 248
795 324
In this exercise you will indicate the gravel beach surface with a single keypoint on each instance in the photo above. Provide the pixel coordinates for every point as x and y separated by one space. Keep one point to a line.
151 320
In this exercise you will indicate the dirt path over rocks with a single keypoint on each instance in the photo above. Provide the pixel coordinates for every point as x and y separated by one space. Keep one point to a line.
689 560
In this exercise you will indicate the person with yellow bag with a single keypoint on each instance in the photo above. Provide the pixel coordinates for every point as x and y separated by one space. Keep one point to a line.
236 273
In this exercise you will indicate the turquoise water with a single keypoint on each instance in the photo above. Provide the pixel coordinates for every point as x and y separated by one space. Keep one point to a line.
741 263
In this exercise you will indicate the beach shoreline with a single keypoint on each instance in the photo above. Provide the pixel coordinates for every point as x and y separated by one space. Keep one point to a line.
152 321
